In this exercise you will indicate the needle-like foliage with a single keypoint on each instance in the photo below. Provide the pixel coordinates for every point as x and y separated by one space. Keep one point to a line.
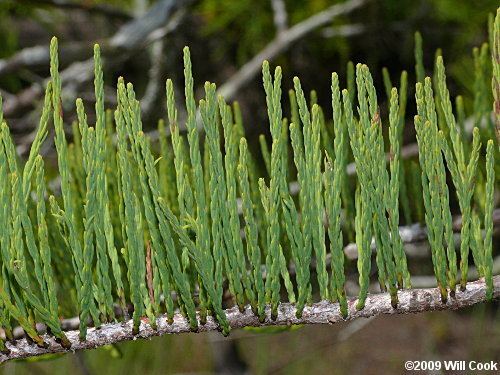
200 226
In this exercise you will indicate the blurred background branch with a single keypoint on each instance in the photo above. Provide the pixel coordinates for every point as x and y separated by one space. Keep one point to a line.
309 39
283 40
98 9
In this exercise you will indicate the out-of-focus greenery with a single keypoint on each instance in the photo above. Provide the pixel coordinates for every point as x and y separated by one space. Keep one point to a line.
226 34
243 27
8 39
239 29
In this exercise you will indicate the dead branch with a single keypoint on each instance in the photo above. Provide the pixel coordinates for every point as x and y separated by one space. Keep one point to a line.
155 86
343 31
98 9
161 19
417 234
282 42
280 16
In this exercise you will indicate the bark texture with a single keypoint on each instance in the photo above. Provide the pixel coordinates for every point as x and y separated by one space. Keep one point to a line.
324 312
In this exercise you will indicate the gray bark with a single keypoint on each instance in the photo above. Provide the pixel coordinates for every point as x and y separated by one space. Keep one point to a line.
324 312
131 37
282 42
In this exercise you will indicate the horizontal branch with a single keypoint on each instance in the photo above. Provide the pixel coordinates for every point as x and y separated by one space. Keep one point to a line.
417 234
410 301
351 288
343 30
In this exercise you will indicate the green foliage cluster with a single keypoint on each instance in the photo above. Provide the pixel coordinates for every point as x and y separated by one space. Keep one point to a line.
163 232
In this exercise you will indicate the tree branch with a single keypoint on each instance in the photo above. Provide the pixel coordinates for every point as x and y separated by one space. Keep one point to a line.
281 42
155 86
416 233
343 30
101 9
162 18
410 301
280 16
